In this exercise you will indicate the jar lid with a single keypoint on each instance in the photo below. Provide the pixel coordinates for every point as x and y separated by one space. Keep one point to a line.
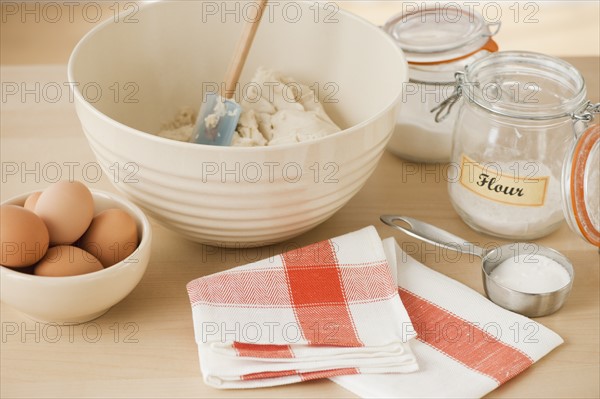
441 34
524 85
581 186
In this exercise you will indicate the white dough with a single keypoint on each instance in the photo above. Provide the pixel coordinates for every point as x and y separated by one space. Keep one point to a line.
275 110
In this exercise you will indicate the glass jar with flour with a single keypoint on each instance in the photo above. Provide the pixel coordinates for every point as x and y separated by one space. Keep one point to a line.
521 114
437 42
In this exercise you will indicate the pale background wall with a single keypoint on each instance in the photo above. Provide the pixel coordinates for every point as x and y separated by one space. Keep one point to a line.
562 28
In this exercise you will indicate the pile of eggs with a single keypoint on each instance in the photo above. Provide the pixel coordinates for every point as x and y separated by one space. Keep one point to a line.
55 233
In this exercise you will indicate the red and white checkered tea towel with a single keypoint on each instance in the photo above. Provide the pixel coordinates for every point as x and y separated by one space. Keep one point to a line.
328 309
466 345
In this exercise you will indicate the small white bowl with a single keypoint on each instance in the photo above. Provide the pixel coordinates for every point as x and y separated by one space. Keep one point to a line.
77 299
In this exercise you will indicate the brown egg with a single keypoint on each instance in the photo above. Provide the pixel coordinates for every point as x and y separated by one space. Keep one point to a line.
67 260
23 237
67 208
31 201
111 237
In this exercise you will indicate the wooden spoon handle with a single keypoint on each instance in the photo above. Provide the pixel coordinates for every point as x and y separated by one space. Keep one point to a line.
241 52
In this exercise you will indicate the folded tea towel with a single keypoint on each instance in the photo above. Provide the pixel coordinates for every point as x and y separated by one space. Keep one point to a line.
328 309
466 345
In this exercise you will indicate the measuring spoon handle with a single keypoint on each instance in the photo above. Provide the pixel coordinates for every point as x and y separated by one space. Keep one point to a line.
433 235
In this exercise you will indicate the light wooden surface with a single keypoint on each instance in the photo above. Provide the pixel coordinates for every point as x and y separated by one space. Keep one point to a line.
144 345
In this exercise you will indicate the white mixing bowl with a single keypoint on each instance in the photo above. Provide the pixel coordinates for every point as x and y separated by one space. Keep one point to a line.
130 75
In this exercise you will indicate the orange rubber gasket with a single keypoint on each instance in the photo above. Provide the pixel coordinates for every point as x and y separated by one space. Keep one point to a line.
582 152
490 46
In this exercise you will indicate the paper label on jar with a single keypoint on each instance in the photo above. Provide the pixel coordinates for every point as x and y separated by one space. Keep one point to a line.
517 186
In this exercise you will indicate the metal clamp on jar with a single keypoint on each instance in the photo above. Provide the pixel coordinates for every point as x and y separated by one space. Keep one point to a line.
437 42
521 152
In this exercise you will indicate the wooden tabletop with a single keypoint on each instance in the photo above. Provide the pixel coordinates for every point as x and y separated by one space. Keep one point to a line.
144 346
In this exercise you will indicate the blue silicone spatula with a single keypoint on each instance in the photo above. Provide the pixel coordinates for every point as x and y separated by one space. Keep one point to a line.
219 114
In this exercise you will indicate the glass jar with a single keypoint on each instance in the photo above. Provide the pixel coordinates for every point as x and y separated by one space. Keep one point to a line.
521 114
581 185
437 42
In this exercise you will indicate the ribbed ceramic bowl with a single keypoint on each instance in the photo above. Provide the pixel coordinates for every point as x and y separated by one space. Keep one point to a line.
130 77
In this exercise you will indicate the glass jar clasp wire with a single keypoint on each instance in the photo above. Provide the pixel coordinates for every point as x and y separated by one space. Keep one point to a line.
493 32
586 114
445 107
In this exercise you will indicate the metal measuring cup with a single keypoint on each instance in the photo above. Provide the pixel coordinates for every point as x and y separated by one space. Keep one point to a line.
527 304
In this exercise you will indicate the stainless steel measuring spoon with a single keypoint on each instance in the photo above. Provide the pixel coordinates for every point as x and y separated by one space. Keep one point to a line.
527 304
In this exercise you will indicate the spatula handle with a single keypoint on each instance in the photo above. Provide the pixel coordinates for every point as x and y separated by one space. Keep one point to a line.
241 52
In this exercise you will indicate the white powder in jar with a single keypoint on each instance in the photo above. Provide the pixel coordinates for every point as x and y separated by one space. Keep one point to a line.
532 274
508 220
424 143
